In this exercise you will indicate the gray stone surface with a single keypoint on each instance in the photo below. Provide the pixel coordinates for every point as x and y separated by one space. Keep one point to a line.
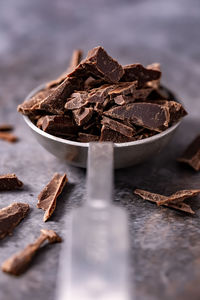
36 41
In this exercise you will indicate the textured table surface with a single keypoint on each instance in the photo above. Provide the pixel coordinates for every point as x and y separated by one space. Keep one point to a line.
36 41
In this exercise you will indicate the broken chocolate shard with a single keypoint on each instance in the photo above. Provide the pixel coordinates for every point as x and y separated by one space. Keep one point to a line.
152 197
191 155
18 263
109 135
59 125
179 196
48 196
118 127
8 137
86 137
10 182
55 102
11 216
82 115
139 73
6 127
137 94
99 64
123 88
77 100
148 115
75 60
99 95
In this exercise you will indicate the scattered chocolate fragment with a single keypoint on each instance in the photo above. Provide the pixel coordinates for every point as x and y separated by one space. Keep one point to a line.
6 127
8 137
48 196
148 115
191 155
108 134
179 196
118 127
10 182
139 73
86 137
18 263
82 115
11 216
62 125
164 200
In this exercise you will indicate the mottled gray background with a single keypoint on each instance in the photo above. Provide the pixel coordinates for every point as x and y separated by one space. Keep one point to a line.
36 41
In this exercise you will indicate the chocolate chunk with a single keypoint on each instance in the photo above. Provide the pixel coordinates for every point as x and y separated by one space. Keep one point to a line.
55 102
118 127
99 95
140 94
139 73
59 125
99 64
10 182
108 134
82 115
157 197
92 82
27 107
11 216
75 60
151 116
48 196
18 263
179 196
77 100
123 88
191 155
6 127
8 137
86 137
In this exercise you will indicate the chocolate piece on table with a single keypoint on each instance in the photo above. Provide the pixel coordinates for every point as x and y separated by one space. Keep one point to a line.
86 137
99 64
77 100
108 134
149 115
191 155
55 102
6 127
10 182
59 125
141 74
48 196
179 196
157 197
11 216
140 94
82 115
8 137
75 60
118 127
18 263
123 88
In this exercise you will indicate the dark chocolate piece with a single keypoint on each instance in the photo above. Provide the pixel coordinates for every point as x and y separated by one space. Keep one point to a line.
99 95
82 115
6 127
59 125
92 82
77 100
11 216
140 94
86 137
157 197
99 64
10 182
139 73
191 155
108 135
179 196
151 116
75 60
18 263
48 196
118 127
8 137
123 88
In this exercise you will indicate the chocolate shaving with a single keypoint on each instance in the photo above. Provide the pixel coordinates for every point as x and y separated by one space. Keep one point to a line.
48 196
10 182
18 263
164 200
11 216
191 155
